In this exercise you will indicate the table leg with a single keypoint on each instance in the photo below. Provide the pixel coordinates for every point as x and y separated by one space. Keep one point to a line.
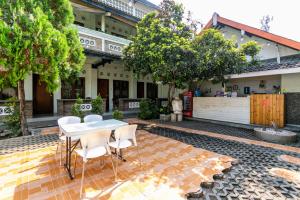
68 156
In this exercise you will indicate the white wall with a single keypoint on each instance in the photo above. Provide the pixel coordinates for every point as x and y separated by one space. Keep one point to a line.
235 110
290 82
269 49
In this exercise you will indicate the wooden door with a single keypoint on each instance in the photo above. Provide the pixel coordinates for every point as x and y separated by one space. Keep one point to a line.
42 100
103 90
140 90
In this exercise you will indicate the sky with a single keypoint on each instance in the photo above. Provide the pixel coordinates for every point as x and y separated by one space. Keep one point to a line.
286 13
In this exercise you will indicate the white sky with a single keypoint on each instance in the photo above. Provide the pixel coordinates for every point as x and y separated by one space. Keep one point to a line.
286 13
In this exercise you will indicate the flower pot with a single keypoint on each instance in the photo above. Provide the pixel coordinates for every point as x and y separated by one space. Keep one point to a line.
165 117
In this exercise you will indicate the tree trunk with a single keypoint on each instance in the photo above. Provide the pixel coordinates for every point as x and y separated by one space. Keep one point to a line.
21 94
170 95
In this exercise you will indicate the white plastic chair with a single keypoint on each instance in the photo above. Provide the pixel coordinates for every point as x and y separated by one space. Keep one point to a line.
62 137
92 118
125 137
94 144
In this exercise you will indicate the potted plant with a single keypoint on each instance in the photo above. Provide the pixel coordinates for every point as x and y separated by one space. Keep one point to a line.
164 113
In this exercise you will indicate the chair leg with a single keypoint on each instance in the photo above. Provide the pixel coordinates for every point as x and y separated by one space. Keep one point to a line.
139 155
60 153
82 177
75 165
117 163
112 163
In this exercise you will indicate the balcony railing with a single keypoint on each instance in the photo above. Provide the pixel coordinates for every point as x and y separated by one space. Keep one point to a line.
123 6
101 42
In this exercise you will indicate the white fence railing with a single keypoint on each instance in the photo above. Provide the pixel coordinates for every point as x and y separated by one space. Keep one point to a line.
124 6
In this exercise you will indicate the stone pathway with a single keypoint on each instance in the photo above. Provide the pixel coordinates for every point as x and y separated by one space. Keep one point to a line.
260 174
221 129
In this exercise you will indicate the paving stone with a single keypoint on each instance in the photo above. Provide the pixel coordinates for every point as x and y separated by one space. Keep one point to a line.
250 177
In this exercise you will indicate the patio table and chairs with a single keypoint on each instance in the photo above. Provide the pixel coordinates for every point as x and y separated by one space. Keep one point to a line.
79 130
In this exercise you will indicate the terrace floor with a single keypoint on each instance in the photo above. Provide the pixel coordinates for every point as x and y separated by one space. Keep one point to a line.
177 159
29 169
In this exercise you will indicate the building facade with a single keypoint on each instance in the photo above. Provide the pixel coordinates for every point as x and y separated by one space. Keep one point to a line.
105 28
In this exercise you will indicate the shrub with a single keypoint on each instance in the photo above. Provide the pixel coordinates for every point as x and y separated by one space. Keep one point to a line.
148 109
97 105
117 114
12 121
76 111
164 110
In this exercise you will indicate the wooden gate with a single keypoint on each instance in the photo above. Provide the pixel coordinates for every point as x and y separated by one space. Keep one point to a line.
267 108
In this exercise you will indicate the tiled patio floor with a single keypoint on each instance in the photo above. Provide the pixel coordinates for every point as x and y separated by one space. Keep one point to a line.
170 170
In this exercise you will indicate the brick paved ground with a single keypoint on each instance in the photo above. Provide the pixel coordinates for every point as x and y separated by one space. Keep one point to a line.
252 177
29 169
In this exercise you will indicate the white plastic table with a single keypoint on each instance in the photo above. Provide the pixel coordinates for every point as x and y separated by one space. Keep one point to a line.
71 130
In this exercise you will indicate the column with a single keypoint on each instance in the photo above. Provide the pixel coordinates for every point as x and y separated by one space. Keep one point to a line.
88 81
28 88
56 95
91 77
132 87
111 93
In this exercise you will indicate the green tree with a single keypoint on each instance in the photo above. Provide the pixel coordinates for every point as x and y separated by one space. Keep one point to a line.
162 47
217 56
37 37
251 49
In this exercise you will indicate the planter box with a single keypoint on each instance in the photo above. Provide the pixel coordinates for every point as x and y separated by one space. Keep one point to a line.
164 117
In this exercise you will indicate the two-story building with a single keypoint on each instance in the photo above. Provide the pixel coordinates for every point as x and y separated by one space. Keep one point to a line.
105 28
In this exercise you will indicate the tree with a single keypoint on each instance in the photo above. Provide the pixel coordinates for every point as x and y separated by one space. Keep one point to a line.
162 48
265 22
216 56
36 37
251 49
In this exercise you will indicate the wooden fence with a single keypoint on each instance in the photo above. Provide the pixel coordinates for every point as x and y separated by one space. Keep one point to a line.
267 108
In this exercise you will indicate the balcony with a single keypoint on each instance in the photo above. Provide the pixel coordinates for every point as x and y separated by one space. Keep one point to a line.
124 7
101 42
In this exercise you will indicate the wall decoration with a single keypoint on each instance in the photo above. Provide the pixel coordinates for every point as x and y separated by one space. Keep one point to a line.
108 74
262 84
235 87
246 90
115 74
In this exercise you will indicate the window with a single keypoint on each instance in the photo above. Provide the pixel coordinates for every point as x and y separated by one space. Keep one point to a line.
152 91
121 90
73 90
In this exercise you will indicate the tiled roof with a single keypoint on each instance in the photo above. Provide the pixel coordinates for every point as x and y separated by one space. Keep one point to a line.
254 31
286 62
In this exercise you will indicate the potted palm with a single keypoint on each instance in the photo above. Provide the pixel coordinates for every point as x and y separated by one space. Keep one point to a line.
164 113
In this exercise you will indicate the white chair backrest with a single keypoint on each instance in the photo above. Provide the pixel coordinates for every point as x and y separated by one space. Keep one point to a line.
92 118
68 120
95 139
126 133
